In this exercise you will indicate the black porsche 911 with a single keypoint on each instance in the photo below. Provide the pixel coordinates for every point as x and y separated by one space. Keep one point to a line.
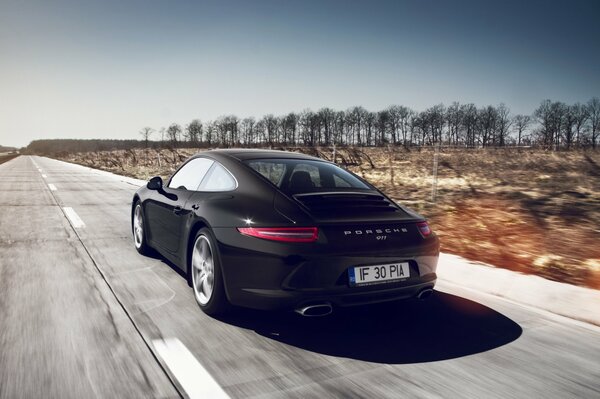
280 230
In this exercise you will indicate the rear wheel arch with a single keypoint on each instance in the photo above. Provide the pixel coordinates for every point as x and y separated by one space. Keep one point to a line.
136 199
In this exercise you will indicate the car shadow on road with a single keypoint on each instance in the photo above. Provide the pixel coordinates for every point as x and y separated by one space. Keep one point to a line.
443 327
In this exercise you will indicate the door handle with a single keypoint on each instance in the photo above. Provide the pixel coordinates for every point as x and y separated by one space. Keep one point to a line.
177 210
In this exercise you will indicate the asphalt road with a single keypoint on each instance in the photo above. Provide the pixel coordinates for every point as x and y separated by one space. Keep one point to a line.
83 315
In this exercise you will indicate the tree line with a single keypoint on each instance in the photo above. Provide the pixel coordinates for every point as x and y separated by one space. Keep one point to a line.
553 124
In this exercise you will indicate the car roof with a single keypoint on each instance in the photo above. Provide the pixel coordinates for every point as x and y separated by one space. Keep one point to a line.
243 154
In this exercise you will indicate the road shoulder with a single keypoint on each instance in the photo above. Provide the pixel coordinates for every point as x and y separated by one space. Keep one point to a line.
567 300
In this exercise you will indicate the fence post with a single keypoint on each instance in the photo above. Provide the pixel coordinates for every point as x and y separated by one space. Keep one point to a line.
435 170
333 152
390 163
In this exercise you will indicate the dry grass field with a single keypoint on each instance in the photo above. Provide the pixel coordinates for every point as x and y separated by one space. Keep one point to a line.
531 211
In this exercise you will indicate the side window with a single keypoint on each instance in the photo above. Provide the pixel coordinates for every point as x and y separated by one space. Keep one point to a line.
218 179
191 174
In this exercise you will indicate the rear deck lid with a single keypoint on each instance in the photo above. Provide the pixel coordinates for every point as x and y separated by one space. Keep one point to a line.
340 207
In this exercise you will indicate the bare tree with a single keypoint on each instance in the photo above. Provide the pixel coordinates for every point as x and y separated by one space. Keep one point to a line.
248 130
370 120
559 112
146 133
580 112
174 134
545 115
381 124
338 127
567 124
259 131
327 117
288 126
487 119
593 110
210 132
470 120
414 130
270 124
227 129
454 119
503 123
405 116
233 124
355 123
551 117
307 122
193 132
521 123
434 120
398 122
162 132
395 112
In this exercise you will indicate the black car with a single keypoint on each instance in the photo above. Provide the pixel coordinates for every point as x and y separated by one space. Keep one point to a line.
280 230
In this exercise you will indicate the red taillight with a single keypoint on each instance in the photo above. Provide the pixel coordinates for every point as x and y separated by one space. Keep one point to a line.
424 229
284 234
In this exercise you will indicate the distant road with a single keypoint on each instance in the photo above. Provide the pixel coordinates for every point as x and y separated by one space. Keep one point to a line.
83 315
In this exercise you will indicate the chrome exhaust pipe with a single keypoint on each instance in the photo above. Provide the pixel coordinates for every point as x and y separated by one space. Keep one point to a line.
425 293
316 310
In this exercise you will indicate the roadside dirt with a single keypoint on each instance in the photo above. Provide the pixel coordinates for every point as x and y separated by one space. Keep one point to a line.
7 157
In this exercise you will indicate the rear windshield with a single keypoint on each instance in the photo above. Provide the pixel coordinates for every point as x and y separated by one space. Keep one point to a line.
295 176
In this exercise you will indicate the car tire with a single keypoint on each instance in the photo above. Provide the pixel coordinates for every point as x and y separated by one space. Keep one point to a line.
138 228
206 274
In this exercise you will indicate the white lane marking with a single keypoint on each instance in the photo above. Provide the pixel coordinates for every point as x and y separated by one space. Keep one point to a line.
73 217
52 187
44 176
190 374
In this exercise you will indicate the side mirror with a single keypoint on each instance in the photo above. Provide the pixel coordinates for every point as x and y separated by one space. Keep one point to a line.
155 183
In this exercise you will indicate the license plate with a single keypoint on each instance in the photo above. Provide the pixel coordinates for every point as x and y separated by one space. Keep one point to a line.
366 275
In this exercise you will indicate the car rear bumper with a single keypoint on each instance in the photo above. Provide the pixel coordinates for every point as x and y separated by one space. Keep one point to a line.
283 277
289 299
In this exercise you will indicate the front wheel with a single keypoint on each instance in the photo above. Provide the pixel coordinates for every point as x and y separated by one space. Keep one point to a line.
207 277
139 232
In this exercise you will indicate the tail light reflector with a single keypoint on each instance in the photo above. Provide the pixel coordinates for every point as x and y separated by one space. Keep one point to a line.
283 234
424 229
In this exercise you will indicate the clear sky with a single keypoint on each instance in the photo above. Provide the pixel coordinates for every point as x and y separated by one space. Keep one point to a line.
105 69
